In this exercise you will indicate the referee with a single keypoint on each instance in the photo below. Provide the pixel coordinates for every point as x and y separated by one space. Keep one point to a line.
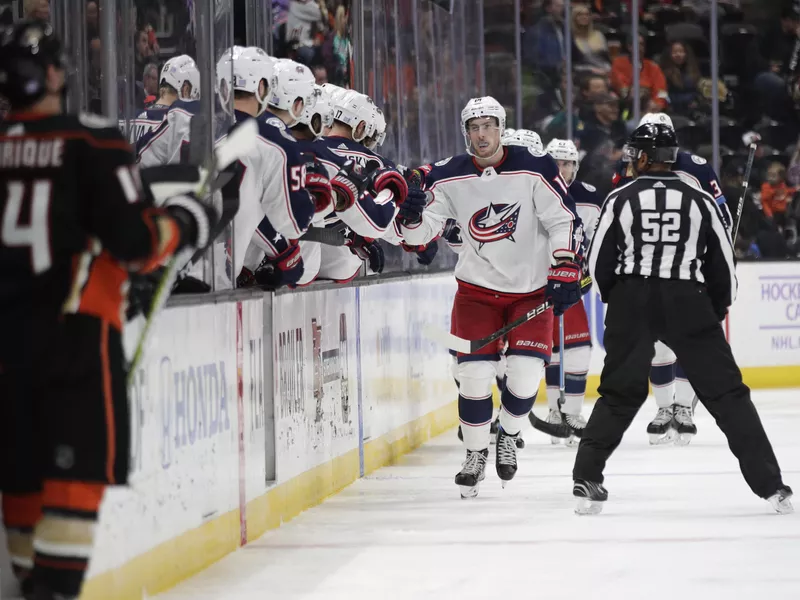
663 262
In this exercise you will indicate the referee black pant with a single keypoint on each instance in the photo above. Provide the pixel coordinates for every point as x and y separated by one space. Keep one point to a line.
679 313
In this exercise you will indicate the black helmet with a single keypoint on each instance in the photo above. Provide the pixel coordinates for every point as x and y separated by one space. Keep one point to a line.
656 140
26 50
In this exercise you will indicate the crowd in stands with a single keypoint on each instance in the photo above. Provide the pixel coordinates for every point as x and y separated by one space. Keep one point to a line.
758 90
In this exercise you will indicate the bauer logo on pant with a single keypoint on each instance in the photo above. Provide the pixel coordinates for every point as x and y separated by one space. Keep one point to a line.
493 223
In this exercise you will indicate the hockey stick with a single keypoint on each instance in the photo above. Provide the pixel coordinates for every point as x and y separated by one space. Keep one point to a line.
238 143
562 393
559 430
324 235
750 157
471 346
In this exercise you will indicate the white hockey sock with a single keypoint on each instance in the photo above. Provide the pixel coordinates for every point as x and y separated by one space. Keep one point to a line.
684 393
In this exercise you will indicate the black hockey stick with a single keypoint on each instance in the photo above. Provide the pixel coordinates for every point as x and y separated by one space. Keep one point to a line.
324 235
750 157
470 346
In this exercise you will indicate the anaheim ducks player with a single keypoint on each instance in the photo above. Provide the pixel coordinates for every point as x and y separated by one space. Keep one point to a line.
509 201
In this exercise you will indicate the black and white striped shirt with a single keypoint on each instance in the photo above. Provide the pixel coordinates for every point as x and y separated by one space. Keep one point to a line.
660 226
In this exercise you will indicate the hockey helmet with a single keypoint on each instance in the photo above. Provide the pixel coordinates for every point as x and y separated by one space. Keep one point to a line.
321 106
379 136
523 137
352 108
290 81
657 118
485 106
656 140
26 51
333 91
565 150
243 69
179 70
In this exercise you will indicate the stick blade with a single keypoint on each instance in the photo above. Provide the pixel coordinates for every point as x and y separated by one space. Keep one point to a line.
446 339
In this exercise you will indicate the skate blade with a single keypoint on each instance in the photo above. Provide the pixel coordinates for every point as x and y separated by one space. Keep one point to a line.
555 441
584 506
573 441
659 439
468 491
781 507
683 439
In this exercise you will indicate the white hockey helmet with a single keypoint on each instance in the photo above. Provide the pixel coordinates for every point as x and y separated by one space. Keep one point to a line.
565 150
290 81
352 108
242 69
657 119
379 136
334 91
322 106
523 137
179 70
485 106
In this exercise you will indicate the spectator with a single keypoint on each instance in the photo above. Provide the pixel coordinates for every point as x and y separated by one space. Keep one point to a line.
603 128
143 50
683 75
652 83
776 194
589 46
543 44
305 16
592 86
150 83
92 20
341 51
36 9
320 74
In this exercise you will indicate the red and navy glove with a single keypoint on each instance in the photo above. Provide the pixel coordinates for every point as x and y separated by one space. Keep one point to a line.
367 249
318 185
410 211
563 282
284 269
388 179
350 182
425 253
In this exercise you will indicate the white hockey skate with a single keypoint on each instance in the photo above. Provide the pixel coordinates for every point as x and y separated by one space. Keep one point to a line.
590 497
781 501
683 425
554 417
660 428
473 471
576 424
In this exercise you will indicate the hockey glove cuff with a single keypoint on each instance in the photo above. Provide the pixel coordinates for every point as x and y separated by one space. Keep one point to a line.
367 249
563 286
425 253
194 219
388 179
285 269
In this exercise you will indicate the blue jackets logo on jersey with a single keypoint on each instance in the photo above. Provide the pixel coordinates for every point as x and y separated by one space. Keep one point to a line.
493 223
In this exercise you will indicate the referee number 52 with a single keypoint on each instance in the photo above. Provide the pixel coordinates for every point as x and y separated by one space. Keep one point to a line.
661 227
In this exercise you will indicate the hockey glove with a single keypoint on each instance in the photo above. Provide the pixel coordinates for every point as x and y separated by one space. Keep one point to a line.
410 212
563 283
367 249
318 185
350 182
246 278
388 179
452 233
284 269
425 253
195 220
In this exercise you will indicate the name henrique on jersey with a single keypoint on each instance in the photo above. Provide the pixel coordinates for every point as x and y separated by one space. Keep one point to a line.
513 216
275 207
692 169
164 144
369 217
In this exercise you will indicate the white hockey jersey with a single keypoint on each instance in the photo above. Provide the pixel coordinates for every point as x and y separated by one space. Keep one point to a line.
275 208
513 216
163 145
146 122
588 203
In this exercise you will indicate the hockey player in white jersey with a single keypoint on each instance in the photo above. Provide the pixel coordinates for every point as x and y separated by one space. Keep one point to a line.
523 137
576 353
521 235
179 80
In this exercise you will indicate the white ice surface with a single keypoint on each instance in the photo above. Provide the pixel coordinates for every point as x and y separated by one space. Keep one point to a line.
680 523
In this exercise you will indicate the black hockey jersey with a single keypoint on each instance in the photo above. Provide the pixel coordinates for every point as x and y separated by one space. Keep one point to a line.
73 224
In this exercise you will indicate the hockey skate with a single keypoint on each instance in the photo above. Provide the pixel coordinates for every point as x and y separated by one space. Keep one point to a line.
683 424
781 501
660 428
554 417
590 496
506 456
576 425
473 471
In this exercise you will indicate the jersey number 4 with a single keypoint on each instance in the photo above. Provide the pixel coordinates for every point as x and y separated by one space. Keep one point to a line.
32 232
661 227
